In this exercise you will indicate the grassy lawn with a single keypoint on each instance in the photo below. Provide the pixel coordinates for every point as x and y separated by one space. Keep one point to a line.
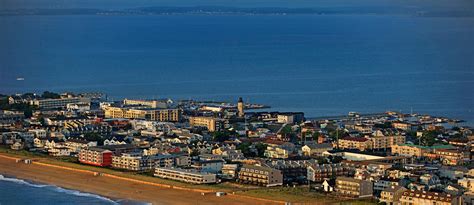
293 194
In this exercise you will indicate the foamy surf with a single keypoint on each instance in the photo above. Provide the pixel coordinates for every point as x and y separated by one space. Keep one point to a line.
57 189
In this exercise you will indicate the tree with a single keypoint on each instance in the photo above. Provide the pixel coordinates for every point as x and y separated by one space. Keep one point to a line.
429 137
245 149
221 136
261 149
194 153
94 137
50 95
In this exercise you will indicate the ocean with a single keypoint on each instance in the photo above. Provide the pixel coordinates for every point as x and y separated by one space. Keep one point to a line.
21 192
322 65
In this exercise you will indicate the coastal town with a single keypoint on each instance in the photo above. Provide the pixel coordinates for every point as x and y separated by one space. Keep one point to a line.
383 158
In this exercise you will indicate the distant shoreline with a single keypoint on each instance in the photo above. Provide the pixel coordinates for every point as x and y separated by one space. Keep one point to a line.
240 11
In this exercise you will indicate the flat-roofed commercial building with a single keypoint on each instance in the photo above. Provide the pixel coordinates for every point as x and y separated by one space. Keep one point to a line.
184 175
212 124
46 104
354 187
147 103
260 175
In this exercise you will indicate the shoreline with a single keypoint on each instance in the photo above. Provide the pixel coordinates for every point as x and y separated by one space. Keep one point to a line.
54 188
115 187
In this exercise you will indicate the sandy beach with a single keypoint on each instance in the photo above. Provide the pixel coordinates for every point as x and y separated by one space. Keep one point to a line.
114 188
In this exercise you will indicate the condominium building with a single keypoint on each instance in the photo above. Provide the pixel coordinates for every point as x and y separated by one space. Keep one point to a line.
46 104
319 173
186 175
411 197
260 175
212 124
137 162
354 187
452 157
359 143
131 162
384 142
96 156
409 150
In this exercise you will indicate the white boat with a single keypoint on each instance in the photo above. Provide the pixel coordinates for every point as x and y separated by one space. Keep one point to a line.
20 78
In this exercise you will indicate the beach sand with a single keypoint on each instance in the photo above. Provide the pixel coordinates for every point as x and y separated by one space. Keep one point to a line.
114 188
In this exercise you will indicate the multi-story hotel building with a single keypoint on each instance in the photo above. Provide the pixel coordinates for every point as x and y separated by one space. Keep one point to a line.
212 124
259 175
354 187
46 104
96 156
411 197
162 115
189 176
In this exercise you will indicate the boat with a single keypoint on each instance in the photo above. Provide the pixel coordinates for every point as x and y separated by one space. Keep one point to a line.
20 79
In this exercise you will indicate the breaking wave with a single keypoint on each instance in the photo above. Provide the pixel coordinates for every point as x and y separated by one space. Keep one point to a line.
57 189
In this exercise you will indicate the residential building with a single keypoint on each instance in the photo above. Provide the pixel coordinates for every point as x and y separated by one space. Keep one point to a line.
148 103
96 156
467 183
59 151
319 173
359 143
229 171
392 195
452 157
404 126
212 124
46 104
136 162
316 149
75 145
210 166
260 175
409 150
186 175
384 142
154 114
411 197
354 187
